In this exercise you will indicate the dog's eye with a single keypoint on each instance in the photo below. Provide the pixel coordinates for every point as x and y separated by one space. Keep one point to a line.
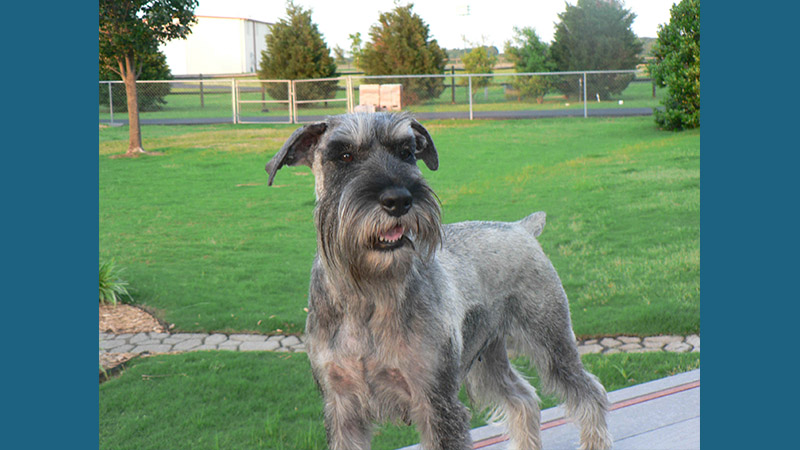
406 154
346 157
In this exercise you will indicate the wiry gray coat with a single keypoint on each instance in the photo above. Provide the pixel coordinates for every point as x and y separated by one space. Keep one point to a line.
403 310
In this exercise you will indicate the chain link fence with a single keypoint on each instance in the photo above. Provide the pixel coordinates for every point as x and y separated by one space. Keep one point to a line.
170 102
452 95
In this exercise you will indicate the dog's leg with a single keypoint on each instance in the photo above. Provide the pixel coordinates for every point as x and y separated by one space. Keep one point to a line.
347 421
555 355
443 424
441 419
346 426
492 382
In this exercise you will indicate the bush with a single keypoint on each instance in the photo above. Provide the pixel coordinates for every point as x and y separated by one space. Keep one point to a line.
296 51
479 60
677 66
607 85
112 287
529 54
529 87
401 45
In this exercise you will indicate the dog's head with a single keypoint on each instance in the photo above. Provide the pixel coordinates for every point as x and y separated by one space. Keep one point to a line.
374 209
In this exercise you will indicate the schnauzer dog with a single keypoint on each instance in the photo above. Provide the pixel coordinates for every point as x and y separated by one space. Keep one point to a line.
403 310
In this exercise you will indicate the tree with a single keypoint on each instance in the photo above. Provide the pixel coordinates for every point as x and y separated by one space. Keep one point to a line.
130 28
296 51
154 67
355 49
339 56
479 60
595 35
401 45
529 54
677 66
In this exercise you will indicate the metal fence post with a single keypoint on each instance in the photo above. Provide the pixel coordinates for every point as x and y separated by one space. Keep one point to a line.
233 100
202 100
110 103
453 84
350 99
292 101
585 110
469 93
347 93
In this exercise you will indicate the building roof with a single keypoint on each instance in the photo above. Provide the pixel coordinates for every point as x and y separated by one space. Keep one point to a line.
236 18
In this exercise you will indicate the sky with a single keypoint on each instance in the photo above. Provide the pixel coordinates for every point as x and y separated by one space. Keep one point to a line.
488 22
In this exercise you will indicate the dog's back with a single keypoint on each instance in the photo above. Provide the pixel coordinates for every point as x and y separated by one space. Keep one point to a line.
497 260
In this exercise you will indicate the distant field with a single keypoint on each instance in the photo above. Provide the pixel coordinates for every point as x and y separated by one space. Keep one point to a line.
185 102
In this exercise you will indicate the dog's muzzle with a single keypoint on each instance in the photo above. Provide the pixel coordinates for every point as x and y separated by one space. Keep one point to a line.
396 201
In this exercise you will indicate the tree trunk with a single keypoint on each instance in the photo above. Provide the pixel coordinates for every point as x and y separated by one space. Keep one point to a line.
135 131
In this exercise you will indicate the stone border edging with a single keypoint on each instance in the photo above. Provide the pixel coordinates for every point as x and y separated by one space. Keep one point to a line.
182 342
634 344
152 342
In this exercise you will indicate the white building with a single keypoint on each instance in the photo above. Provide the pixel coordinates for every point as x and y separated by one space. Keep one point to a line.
218 46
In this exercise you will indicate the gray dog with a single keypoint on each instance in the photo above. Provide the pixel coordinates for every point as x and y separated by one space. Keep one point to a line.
403 310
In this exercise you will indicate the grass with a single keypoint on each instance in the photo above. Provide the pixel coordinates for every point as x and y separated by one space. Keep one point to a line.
211 248
214 400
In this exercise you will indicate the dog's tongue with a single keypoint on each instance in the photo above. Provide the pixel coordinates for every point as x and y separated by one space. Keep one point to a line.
393 234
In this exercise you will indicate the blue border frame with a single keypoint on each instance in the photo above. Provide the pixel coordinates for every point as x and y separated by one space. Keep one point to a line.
50 190
748 223
748 229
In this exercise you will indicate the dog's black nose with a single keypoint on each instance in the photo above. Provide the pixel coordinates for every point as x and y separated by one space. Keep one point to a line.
396 201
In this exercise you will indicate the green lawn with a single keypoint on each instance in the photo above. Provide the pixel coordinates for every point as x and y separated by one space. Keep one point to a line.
210 247
227 400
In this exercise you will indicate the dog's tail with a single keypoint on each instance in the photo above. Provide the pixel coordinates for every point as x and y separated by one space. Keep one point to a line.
534 224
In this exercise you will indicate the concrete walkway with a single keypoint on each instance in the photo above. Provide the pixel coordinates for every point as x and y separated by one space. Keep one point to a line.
661 414
181 342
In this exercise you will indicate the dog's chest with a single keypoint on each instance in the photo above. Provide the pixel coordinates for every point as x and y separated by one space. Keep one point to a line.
375 345
361 359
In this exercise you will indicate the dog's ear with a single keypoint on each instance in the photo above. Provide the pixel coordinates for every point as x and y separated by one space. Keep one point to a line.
426 151
297 149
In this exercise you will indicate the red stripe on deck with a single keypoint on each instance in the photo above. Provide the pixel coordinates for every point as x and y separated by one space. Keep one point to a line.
634 401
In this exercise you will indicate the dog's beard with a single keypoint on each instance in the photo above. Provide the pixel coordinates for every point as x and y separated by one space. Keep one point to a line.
365 241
